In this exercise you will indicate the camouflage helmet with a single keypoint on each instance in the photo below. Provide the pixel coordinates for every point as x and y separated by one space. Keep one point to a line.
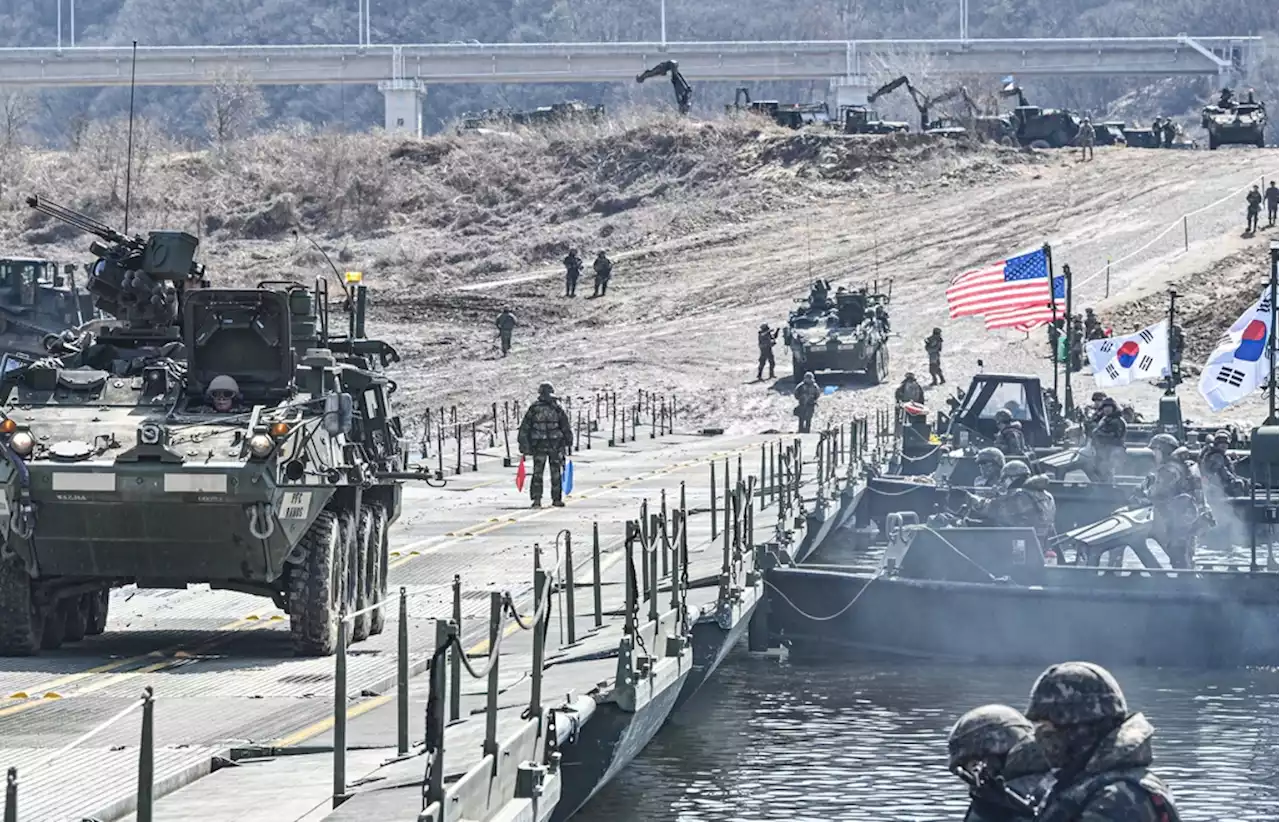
1075 693
1098 396
808 376
1015 425
546 390
1164 443
1222 435
223 383
910 375
764 326
991 455
937 330
992 730
1108 401
1003 415
1015 469
1088 312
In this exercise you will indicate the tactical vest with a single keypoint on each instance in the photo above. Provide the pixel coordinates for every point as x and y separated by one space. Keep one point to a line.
1067 805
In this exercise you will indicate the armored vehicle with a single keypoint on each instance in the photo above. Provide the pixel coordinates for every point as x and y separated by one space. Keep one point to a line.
36 300
1239 124
1045 127
207 435
864 120
849 333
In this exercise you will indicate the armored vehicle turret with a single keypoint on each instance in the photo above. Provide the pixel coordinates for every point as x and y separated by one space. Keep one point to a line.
847 331
38 298
207 435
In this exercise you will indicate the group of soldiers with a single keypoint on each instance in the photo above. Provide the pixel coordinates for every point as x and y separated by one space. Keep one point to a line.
1253 206
1079 329
1165 131
603 268
1078 753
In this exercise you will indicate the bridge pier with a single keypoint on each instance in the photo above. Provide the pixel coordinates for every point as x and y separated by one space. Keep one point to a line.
403 106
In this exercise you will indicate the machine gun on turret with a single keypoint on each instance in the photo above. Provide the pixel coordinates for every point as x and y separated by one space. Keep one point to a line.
137 281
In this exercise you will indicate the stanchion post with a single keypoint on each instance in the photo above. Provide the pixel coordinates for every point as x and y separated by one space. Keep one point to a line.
491 709
571 590
595 575
1186 235
11 796
728 526
539 643
455 656
434 741
493 432
628 547
714 521
666 539
146 757
402 676
340 713
475 449
653 581
644 546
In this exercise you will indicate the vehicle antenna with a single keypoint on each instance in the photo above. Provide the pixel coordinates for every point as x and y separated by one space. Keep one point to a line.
128 163
336 274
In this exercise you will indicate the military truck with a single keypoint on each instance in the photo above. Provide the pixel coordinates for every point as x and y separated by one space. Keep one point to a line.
865 120
567 111
38 298
225 436
787 115
1238 124
846 334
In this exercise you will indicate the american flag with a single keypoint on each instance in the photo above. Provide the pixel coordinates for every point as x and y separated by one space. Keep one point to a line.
1012 293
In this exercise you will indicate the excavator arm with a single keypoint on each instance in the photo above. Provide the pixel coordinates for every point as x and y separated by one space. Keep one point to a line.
684 91
918 97
1014 91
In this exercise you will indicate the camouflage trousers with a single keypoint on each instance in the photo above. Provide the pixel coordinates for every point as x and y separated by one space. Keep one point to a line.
504 339
541 461
805 412
935 370
1105 463
1174 527
766 358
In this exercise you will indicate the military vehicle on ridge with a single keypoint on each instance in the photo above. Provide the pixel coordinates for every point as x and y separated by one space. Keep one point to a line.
1237 124
846 332
225 436
38 298
787 115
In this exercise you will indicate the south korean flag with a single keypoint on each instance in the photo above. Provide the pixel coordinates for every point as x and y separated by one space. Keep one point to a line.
1140 356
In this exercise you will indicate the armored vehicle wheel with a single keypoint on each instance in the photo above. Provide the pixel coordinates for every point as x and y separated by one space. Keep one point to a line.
1213 142
378 562
349 574
363 574
55 628
879 367
1260 142
21 624
316 589
75 617
99 603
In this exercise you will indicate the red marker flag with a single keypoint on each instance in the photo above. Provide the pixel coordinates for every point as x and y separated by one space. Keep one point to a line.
520 474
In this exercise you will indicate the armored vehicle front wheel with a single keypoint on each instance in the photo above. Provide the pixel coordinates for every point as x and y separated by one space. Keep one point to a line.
378 561
316 588
878 368
99 603
75 615
21 623
363 575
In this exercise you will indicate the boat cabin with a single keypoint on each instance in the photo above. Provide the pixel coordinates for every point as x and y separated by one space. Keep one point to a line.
988 394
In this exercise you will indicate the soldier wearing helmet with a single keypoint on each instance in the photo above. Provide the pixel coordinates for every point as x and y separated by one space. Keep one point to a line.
1177 500
997 741
933 349
1009 437
1021 501
1100 752
1107 439
765 339
546 434
1217 468
506 323
909 390
223 393
990 464
807 394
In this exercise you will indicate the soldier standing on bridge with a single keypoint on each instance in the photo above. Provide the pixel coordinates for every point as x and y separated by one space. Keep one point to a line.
545 434
572 270
933 348
1273 201
766 338
506 322
1084 138
604 270
1254 201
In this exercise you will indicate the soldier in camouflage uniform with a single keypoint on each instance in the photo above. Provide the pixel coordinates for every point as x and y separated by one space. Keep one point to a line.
765 338
1093 329
909 391
997 741
1021 501
1075 344
572 271
1084 138
603 268
506 323
933 348
1177 500
806 394
1100 752
990 464
545 434
1253 202
1107 438
1009 437
1217 469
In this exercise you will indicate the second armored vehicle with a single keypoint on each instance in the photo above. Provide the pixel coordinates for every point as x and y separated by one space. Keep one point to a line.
1238 124
849 333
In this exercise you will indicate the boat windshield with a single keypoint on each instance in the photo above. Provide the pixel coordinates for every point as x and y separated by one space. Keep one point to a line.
1008 396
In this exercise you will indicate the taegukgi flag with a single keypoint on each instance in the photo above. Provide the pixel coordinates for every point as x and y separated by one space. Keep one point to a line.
1132 358
1241 363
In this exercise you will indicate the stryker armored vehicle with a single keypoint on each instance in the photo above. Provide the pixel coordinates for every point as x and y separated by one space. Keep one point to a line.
37 300
1239 124
849 334
207 435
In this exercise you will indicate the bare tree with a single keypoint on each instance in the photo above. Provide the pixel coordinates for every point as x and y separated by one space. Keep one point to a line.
231 107
16 111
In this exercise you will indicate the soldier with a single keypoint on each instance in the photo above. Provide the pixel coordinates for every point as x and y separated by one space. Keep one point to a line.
1021 500
818 295
933 349
572 271
1170 132
604 270
909 391
223 393
506 323
545 433
1075 341
1217 469
998 741
990 464
1092 326
1272 198
1101 752
1225 99
765 338
806 394
1129 414
1084 138
1107 438
1177 500
882 318
1254 206
1009 437
1157 131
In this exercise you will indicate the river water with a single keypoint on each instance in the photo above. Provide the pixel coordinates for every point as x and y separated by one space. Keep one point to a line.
771 740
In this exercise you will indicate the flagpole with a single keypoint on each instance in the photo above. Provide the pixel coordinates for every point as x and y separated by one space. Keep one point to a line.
1175 377
1066 379
1054 335
1271 374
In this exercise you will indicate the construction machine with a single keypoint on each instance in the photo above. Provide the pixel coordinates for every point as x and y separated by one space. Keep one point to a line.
922 101
684 91
788 115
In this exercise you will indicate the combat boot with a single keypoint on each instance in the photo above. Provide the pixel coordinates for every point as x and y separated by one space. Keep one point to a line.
557 503
537 503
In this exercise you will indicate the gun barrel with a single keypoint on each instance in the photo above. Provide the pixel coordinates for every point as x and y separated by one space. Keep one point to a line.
74 218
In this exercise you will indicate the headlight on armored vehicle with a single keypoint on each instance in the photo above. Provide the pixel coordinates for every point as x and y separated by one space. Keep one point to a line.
260 445
279 429
22 443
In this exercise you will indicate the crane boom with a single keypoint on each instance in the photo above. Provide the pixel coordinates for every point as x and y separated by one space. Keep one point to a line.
684 91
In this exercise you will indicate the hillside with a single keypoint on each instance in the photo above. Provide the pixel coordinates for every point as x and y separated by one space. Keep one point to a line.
714 228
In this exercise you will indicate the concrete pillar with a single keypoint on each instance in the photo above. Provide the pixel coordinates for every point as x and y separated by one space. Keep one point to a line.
403 106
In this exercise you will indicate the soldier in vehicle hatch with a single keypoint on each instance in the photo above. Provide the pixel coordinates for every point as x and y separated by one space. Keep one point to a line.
603 268
933 350
545 434
506 323
572 271
223 394
909 391
1226 99
1107 438
807 394
1021 500
997 741
766 338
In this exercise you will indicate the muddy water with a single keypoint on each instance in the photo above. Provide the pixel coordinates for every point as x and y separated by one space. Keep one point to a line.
851 742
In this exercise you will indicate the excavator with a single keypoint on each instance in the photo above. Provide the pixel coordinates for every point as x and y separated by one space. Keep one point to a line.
684 91
923 101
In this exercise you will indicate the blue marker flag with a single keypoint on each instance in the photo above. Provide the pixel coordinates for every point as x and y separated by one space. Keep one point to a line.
829 389
566 479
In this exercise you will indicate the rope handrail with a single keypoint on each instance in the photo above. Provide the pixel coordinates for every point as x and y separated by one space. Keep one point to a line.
92 732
